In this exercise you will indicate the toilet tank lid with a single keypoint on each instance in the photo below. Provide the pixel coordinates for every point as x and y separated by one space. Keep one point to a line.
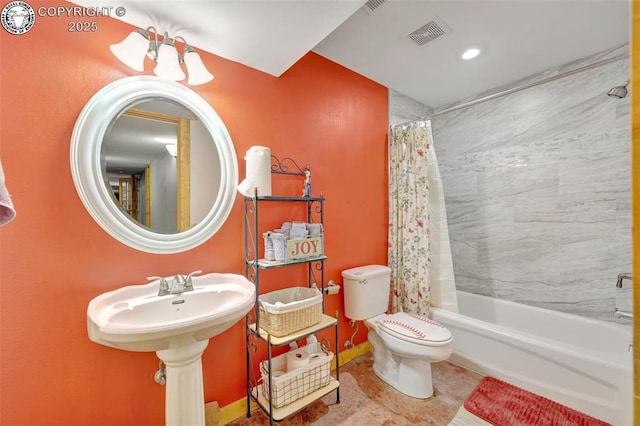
368 271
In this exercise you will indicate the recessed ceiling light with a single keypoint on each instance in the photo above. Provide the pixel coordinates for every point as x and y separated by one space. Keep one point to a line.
471 53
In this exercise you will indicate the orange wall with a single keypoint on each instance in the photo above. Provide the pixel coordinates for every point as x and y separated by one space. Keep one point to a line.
55 258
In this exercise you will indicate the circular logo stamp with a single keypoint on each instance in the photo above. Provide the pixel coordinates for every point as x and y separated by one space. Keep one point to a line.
17 17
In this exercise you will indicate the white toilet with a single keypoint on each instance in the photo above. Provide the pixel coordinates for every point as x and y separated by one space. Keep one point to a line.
404 345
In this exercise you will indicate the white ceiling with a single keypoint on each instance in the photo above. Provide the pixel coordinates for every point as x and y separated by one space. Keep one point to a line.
518 37
268 35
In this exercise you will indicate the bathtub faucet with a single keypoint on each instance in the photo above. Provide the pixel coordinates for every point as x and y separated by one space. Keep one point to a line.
622 277
617 314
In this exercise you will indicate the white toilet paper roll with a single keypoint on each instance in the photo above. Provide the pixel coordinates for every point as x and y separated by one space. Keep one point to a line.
332 289
257 172
277 373
296 359
315 356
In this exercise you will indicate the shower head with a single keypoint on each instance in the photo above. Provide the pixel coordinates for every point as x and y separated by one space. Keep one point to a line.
619 91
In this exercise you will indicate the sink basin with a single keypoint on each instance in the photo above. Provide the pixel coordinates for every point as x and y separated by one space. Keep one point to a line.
177 327
135 318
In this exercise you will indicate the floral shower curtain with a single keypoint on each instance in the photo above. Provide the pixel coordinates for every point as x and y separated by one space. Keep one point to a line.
409 230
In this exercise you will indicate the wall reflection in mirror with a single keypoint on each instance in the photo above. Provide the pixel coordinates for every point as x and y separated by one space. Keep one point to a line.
161 165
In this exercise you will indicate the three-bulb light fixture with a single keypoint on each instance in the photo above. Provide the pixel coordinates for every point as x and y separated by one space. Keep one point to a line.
138 44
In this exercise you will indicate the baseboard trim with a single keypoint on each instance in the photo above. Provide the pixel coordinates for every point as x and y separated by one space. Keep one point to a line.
234 411
237 409
352 353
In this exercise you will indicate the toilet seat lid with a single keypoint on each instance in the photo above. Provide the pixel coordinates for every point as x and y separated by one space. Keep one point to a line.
415 328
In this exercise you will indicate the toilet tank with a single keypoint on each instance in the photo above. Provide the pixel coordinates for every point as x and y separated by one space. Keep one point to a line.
366 291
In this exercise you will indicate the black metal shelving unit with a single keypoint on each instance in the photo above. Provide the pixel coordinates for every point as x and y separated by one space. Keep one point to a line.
254 267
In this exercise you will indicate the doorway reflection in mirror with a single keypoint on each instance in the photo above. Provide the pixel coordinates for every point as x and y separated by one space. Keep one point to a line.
160 163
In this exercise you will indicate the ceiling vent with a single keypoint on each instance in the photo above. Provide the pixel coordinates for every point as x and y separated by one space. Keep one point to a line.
429 32
372 5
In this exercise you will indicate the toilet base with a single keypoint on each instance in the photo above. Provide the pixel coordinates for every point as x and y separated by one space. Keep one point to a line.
409 376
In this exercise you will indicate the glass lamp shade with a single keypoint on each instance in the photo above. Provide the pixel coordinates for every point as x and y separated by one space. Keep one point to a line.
168 62
198 74
132 50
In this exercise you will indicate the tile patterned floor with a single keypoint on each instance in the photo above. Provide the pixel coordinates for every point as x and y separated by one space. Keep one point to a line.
368 401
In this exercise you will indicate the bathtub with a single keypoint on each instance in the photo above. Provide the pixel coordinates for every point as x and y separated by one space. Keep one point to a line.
582 363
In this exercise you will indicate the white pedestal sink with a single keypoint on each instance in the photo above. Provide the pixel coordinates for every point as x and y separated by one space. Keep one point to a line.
177 327
184 397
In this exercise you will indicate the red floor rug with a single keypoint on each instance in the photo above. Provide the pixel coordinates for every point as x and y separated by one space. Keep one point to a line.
503 404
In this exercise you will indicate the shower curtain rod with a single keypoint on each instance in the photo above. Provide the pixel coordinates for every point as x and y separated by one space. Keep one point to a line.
519 88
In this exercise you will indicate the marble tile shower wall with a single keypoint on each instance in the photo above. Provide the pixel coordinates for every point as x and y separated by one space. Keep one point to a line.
403 109
537 189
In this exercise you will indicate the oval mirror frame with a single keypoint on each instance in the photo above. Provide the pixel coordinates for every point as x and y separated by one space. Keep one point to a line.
86 141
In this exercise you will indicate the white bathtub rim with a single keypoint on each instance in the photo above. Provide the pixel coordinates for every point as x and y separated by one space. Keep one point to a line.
507 336
599 322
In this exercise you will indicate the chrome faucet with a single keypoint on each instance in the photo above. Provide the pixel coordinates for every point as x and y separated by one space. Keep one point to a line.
179 284
617 314
622 277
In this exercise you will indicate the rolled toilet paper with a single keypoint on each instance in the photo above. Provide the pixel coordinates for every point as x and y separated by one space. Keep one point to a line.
257 172
246 188
296 359
315 356
278 373
332 289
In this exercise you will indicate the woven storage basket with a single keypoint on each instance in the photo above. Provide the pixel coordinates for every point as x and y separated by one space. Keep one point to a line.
286 311
293 385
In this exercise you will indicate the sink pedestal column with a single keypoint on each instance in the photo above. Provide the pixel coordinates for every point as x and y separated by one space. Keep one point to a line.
184 401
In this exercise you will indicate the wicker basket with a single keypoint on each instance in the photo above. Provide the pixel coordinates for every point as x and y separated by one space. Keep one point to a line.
293 309
292 385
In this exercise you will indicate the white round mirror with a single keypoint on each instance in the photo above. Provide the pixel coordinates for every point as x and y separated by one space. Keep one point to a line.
154 164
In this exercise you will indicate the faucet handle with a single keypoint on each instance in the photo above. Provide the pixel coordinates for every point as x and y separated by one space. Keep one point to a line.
191 274
163 289
188 284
